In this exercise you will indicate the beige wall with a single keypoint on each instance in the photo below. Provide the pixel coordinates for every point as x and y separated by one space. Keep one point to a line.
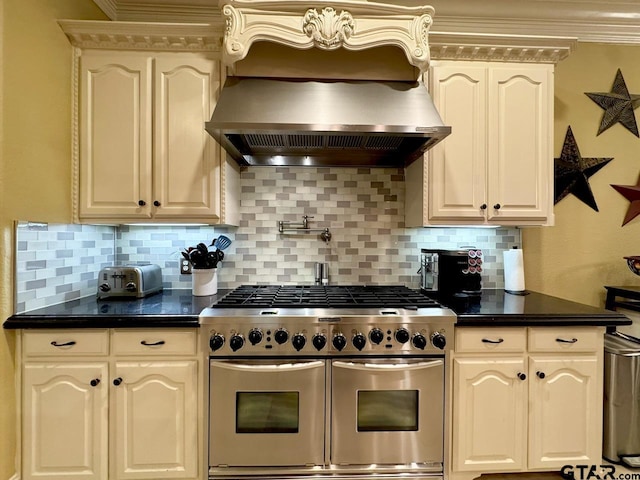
583 252
35 153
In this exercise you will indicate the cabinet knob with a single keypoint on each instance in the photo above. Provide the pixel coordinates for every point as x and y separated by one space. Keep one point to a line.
142 203
94 382
483 206
521 376
117 381
540 374
156 203
497 206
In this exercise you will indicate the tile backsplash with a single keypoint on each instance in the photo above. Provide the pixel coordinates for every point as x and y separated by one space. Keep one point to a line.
363 208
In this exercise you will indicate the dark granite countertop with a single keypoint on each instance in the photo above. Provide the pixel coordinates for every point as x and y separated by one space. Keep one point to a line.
170 308
498 308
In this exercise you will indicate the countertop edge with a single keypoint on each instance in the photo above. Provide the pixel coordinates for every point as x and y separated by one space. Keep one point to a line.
134 321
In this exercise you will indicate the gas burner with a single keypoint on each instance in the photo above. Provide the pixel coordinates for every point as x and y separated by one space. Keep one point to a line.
358 296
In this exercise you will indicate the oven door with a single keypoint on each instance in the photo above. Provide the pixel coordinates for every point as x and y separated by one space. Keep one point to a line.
387 412
266 413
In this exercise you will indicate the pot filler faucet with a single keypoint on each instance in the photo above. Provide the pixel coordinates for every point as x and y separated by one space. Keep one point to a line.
303 227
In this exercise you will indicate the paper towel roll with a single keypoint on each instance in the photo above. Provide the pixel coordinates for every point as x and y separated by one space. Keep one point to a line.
513 270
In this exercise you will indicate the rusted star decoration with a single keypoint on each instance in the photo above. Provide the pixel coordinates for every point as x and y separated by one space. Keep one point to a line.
618 106
631 193
572 172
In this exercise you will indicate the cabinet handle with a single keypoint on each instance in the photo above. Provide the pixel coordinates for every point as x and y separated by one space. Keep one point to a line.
521 376
488 340
497 206
142 203
94 382
564 340
117 381
66 344
156 203
540 374
483 206
153 344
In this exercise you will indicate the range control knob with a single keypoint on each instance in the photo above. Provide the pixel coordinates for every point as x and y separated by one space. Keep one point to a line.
319 341
131 287
359 341
339 341
402 335
298 341
376 336
438 340
254 336
105 287
419 341
216 342
281 336
236 342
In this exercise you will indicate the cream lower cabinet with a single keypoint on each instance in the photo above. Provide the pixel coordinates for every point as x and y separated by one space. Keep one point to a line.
143 151
526 399
99 404
496 167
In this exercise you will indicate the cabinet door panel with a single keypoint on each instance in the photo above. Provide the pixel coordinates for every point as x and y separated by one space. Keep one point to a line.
519 137
565 424
457 167
489 414
115 131
155 429
187 160
65 422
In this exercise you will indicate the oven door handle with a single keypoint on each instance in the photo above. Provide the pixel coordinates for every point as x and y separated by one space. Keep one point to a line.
269 368
387 366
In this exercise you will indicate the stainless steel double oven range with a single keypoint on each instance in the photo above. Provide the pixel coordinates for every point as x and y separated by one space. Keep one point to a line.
327 381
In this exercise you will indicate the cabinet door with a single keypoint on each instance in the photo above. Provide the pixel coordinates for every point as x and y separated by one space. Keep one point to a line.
115 135
186 158
457 165
520 123
64 421
155 420
565 422
489 414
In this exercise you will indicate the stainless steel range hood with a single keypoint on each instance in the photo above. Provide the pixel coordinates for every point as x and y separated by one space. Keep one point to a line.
294 122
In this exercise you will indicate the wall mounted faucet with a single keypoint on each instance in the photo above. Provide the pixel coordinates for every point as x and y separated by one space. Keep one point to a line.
303 227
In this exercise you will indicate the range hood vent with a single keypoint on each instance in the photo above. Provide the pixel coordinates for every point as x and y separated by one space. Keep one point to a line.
293 122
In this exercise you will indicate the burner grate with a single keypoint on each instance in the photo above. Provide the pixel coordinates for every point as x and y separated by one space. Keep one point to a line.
333 296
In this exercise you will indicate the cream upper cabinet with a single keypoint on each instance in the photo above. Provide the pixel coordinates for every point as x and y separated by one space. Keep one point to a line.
119 404
496 167
144 152
526 399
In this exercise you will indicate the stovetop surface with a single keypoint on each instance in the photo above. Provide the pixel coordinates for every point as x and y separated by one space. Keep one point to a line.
331 296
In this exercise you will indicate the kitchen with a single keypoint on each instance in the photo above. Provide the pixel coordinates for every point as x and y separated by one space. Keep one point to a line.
583 248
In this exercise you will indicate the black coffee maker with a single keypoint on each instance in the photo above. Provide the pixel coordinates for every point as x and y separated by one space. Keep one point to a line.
446 274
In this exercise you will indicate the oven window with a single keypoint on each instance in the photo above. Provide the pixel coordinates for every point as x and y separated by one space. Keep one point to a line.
267 412
387 410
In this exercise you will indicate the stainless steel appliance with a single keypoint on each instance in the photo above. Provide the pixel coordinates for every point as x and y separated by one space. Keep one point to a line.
450 272
327 380
129 281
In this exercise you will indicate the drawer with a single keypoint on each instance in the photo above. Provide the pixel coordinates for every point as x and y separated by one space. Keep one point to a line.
65 342
566 339
498 339
154 342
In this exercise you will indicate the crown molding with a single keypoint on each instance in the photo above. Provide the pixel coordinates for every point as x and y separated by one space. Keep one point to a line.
191 37
601 21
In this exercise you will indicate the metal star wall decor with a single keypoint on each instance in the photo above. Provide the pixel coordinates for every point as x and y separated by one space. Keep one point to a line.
631 193
618 106
572 172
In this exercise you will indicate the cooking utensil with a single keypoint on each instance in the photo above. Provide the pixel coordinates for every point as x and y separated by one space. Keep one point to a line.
222 242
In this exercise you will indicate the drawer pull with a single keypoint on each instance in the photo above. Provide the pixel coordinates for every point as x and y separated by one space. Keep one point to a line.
153 344
521 376
564 340
117 381
95 382
66 344
488 340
